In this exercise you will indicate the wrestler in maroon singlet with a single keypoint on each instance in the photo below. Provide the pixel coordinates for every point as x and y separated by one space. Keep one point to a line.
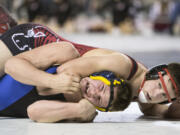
25 37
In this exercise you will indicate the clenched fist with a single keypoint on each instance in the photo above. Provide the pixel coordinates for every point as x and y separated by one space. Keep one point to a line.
64 83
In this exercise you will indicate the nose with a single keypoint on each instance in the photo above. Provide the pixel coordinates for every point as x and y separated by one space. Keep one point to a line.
156 93
94 92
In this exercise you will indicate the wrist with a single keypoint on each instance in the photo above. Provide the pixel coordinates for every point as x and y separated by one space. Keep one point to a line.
86 111
80 110
49 80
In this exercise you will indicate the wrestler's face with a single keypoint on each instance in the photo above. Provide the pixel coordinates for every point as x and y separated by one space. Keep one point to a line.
154 92
95 91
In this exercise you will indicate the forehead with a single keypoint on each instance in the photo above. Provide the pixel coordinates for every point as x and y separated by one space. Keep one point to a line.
167 81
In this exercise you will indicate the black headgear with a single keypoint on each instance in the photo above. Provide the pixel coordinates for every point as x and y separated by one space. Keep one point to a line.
158 72
152 74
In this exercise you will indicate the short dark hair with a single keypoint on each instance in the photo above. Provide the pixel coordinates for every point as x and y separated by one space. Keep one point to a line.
174 70
124 97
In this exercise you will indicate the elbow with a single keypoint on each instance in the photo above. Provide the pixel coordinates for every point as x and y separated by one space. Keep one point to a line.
71 49
36 113
33 113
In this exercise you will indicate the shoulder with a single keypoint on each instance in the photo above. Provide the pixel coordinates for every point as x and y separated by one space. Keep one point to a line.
98 52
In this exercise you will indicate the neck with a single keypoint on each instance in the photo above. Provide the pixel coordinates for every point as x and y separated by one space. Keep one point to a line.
138 83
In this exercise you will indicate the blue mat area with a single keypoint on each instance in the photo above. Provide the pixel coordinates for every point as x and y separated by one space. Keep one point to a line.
12 90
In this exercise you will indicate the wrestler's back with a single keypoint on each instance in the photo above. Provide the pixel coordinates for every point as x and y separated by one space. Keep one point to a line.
25 37
10 47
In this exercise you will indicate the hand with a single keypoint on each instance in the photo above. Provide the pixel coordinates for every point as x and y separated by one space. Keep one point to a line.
87 111
174 110
65 83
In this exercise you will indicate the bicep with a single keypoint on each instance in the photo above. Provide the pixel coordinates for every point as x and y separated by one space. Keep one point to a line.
84 66
117 63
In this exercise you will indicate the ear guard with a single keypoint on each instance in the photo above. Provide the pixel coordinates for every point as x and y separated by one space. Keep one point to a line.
109 79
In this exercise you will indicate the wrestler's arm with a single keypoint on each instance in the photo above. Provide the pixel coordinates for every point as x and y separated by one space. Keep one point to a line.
164 111
98 60
153 109
28 67
54 111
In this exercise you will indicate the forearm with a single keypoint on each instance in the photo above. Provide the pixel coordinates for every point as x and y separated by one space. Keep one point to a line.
153 109
28 67
53 111
24 72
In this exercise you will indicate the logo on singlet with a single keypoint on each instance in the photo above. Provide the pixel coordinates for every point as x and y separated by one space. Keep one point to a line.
34 37
21 39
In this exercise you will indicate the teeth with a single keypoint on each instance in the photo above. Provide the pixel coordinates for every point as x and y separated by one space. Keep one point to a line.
87 91
142 97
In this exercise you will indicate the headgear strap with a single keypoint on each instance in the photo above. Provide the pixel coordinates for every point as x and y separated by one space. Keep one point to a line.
164 86
142 84
173 82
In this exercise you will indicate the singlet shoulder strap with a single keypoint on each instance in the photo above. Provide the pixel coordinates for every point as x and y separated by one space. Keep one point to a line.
133 68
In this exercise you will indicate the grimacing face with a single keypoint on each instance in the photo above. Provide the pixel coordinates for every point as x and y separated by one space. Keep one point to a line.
95 91
154 91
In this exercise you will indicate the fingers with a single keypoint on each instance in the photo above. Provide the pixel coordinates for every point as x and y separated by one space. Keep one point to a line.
71 86
75 85
72 90
73 77
76 79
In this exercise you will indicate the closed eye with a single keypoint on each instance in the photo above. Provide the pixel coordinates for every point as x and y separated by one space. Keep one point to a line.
87 85
159 84
164 95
